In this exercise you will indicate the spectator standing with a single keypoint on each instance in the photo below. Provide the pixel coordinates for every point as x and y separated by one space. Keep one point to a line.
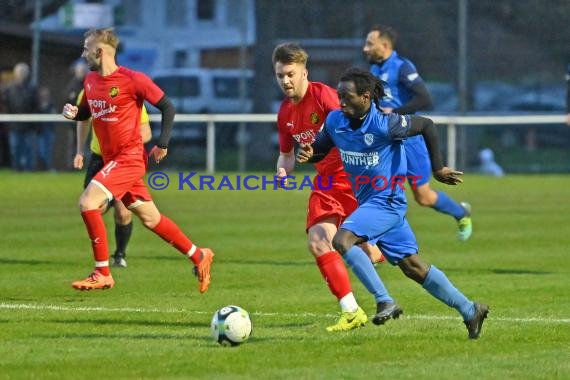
75 84
21 98
46 130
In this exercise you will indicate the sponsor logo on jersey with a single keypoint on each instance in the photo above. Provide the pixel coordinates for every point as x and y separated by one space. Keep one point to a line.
100 108
359 158
305 137
413 76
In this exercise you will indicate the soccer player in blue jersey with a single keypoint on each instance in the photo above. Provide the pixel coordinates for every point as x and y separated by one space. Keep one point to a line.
373 154
406 93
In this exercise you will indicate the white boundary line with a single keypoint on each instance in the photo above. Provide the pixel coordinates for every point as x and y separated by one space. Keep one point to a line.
544 320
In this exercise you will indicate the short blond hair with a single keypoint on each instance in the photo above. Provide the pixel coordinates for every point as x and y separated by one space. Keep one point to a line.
105 36
290 52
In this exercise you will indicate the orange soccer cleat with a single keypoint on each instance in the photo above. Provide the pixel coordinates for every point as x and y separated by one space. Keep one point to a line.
95 280
202 270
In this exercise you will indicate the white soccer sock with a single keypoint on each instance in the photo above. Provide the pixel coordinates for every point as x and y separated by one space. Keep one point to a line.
192 251
348 303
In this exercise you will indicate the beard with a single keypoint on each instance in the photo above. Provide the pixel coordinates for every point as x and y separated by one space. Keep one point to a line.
372 60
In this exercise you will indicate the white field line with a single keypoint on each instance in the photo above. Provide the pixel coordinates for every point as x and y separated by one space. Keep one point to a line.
543 320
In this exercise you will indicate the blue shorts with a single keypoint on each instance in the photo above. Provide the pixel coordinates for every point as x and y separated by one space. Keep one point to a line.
417 157
385 225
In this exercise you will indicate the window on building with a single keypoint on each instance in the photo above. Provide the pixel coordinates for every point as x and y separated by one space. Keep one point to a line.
180 58
235 13
176 11
132 12
205 9
229 87
179 86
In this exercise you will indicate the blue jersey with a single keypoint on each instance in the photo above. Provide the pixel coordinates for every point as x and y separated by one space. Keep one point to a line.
400 75
372 155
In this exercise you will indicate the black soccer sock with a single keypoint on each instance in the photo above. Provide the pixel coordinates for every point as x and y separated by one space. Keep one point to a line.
122 236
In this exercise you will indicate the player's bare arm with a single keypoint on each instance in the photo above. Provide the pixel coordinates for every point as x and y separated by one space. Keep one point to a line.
82 134
285 165
146 132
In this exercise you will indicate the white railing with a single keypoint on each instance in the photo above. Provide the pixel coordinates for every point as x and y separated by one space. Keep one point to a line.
452 122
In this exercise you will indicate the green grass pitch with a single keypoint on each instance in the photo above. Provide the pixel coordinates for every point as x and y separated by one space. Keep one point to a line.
155 325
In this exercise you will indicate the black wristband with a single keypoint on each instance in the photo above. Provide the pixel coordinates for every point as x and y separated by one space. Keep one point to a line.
162 146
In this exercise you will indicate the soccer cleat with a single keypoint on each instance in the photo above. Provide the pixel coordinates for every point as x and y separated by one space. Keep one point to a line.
385 311
119 260
475 324
349 320
464 224
202 270
95 280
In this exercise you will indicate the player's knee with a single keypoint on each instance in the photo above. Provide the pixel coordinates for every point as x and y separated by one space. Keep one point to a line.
341 244
149 223
414 268
148 219
86 203
318 248
123 216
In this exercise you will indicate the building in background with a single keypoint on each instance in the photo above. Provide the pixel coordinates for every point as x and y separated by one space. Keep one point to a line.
157 35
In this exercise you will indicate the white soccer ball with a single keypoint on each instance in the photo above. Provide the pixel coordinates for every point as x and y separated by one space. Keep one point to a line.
231 326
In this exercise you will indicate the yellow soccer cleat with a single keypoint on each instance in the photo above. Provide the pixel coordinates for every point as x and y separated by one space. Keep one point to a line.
349 320
464 224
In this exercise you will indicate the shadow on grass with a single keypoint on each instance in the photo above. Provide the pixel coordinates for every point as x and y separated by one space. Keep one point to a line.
122 335
244 261
24 262
520 271
110 321
181 327
498 271
183 324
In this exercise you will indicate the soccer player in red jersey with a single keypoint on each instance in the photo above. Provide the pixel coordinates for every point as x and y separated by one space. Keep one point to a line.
114 96
299 119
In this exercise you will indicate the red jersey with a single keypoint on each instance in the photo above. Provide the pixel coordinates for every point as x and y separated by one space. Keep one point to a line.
115 102
301 123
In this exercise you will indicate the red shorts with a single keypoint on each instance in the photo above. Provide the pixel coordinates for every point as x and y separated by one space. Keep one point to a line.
122 177
338 201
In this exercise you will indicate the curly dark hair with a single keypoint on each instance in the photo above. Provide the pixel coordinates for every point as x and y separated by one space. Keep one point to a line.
365 81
